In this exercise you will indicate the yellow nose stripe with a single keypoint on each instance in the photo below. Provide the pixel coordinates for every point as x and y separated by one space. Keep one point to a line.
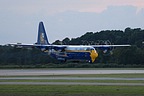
93 55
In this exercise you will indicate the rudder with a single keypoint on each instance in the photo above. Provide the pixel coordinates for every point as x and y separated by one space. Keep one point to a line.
42 36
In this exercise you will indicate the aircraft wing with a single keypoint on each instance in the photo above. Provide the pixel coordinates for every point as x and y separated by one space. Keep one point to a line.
56 47
105 48
109 46
19 45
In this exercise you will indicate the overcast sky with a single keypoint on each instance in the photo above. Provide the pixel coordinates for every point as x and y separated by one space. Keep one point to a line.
66 18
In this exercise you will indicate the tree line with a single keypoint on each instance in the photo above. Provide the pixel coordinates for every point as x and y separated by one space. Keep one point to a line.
133 55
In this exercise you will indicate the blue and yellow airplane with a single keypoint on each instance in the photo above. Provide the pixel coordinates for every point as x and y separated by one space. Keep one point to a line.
66 52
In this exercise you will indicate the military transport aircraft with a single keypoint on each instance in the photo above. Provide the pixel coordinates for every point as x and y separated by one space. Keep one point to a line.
66 52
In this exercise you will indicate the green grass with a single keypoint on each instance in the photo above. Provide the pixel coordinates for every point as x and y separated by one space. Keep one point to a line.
136 75
87 81
75 90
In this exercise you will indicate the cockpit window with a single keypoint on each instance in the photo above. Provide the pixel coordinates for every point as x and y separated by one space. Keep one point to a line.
85 48
89 49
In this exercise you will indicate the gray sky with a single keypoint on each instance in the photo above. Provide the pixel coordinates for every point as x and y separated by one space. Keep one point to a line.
66 18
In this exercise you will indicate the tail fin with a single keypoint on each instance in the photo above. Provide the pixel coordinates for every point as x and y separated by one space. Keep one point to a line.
42 37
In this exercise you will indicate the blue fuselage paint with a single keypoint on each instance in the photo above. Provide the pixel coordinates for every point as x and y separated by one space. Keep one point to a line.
78 55
72 56
73 53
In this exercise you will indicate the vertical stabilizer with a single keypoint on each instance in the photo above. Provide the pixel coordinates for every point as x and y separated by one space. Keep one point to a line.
42 37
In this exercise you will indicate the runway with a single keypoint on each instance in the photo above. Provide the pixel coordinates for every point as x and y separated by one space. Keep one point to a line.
43 72
10 75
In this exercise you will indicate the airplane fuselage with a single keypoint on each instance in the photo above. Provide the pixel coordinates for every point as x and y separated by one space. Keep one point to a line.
75 53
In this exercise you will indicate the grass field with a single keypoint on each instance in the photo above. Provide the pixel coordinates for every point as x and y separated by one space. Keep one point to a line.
68 90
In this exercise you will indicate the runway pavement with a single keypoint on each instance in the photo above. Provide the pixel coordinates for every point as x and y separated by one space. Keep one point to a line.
30 72
24 74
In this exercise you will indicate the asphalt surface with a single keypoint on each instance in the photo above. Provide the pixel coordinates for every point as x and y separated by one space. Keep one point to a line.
24 74
29 72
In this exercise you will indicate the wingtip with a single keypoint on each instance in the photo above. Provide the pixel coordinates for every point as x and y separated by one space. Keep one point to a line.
41 22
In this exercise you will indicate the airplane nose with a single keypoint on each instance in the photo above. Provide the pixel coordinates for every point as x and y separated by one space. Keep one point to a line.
93 55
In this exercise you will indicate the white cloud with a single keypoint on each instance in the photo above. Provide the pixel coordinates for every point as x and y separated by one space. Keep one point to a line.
55 6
